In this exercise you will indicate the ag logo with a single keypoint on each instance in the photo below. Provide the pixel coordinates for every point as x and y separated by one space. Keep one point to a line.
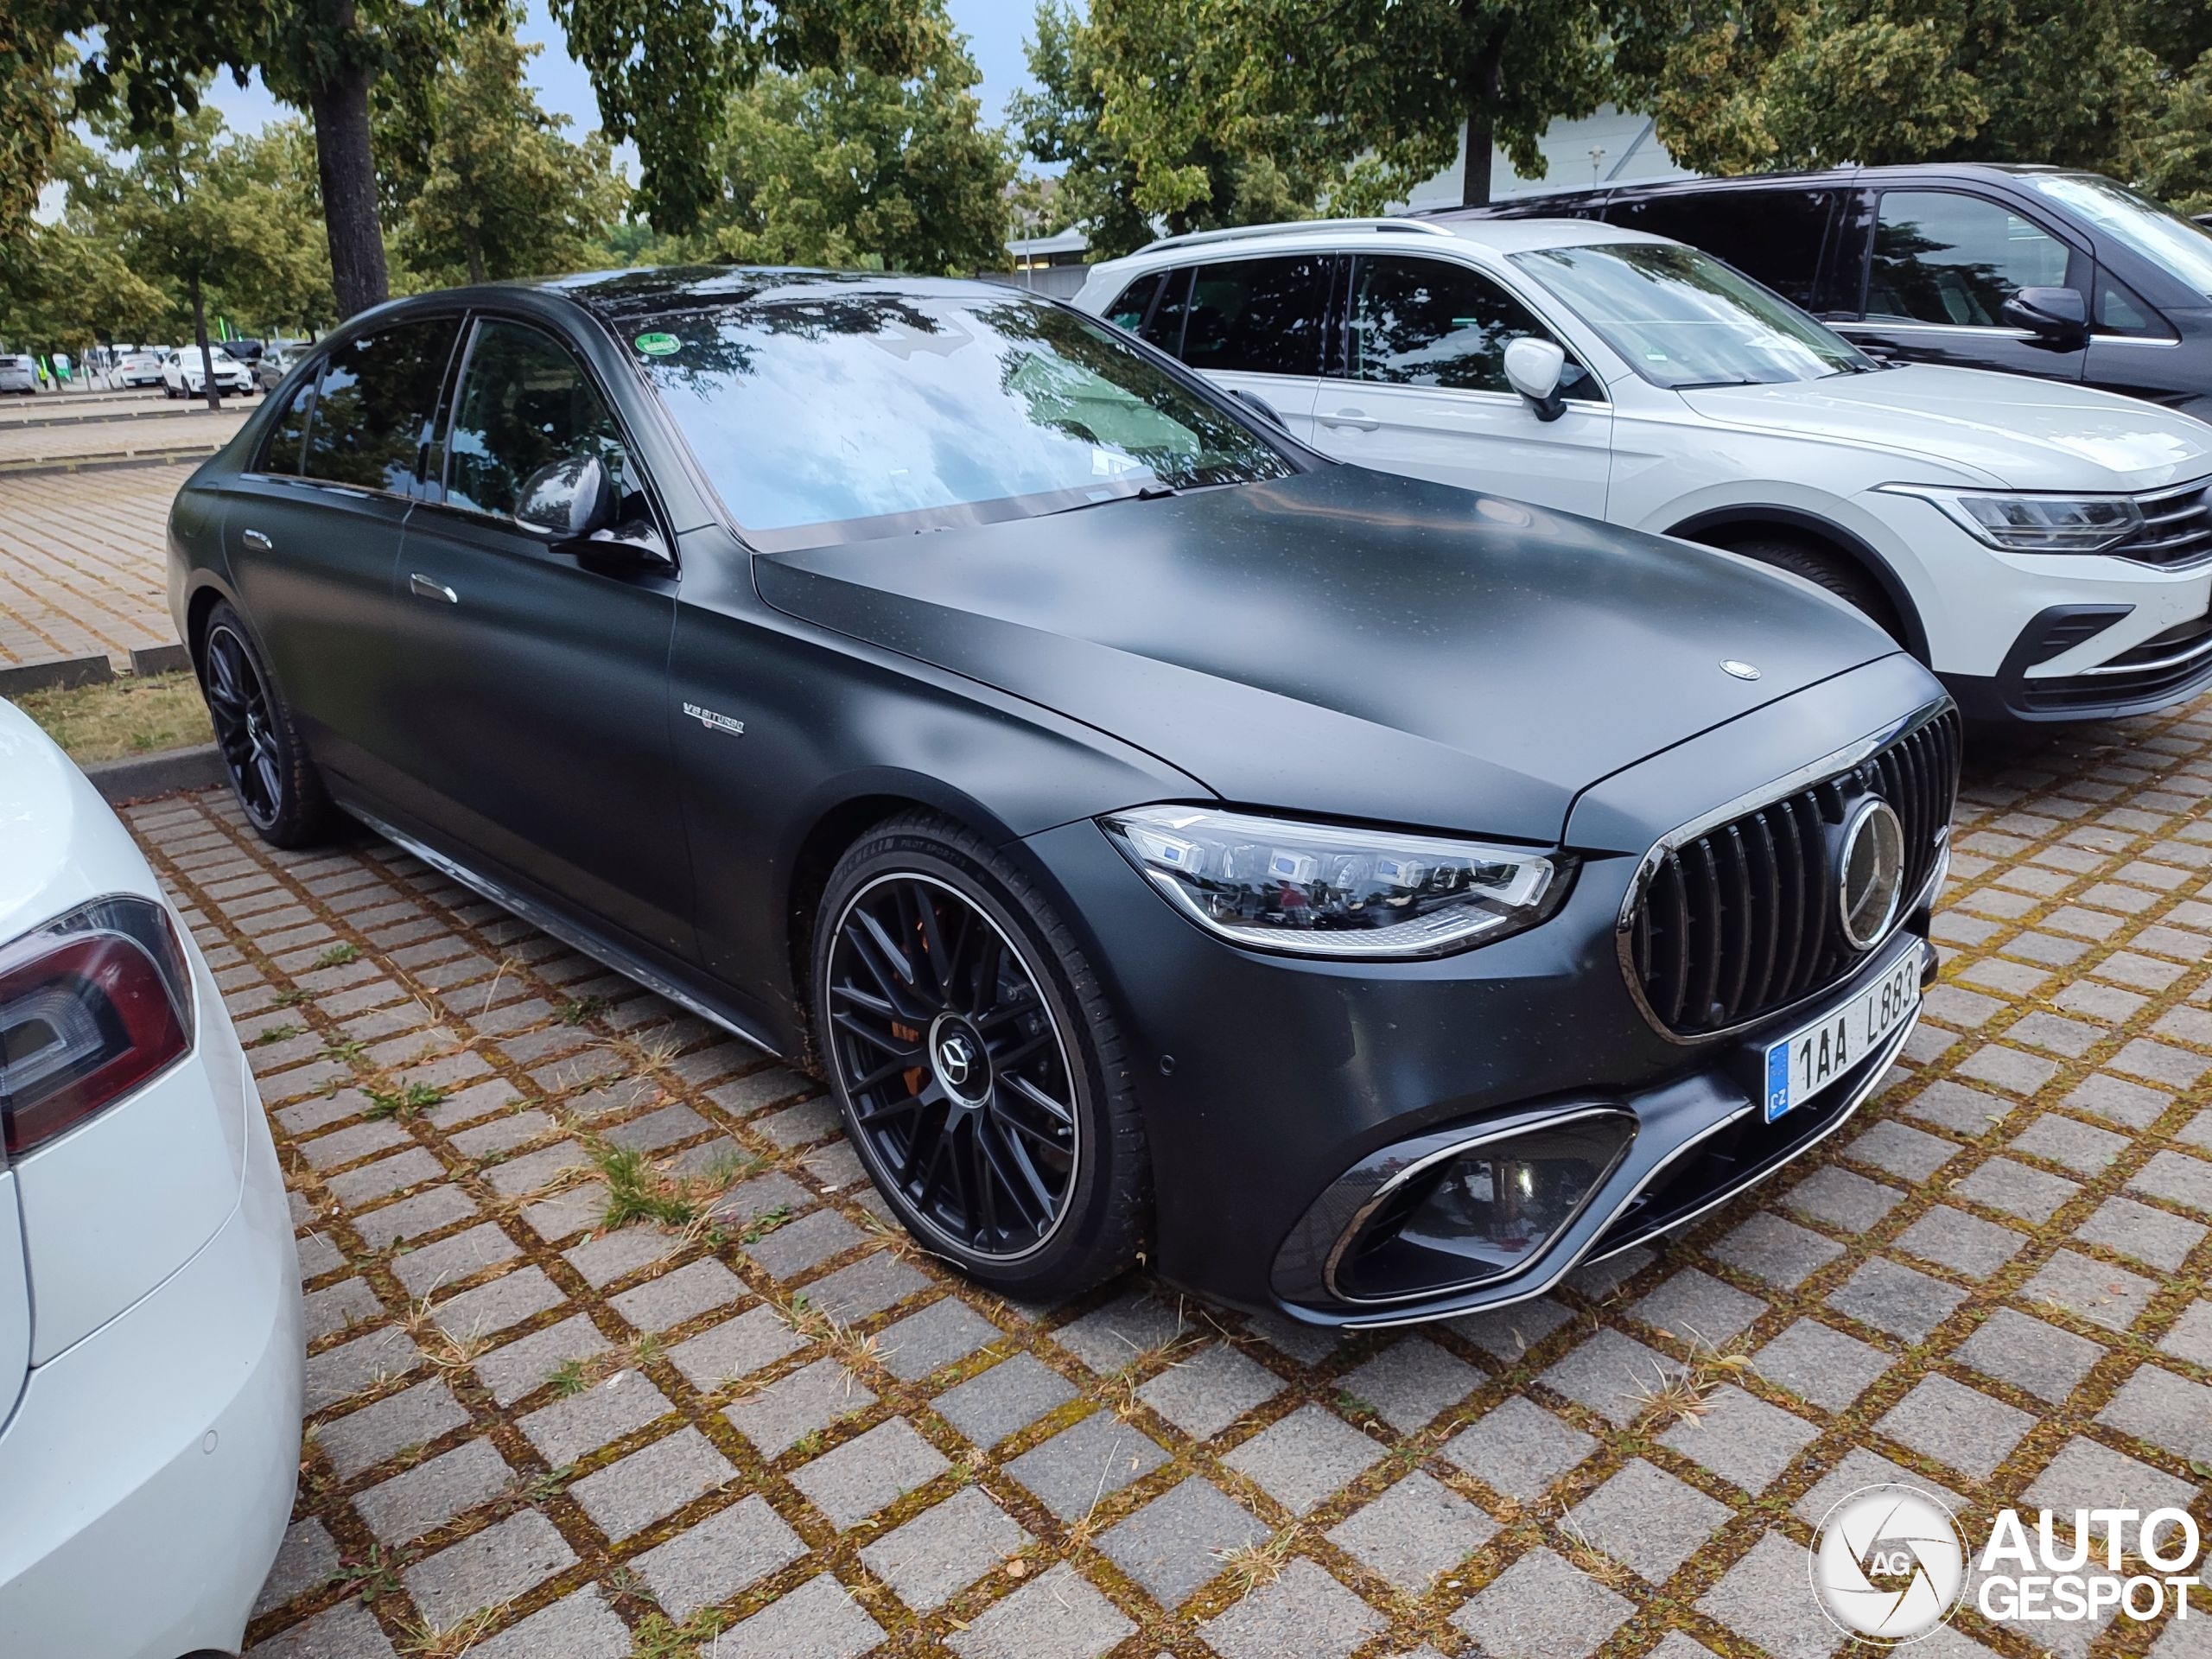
1889 1564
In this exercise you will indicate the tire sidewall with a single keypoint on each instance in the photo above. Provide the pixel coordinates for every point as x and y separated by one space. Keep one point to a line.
914 852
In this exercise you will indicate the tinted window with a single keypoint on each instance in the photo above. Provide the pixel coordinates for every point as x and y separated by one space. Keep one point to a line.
1257 316
379 394
1135 304
290 432
1773 237
525 403
1424 322
1164 329
829 412
1940 256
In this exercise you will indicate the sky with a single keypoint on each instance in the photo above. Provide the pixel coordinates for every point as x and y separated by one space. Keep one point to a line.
995 31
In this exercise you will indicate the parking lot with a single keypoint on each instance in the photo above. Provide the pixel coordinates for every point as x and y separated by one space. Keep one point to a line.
753 1420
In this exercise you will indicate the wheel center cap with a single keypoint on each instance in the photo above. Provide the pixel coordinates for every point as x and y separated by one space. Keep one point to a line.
958 1055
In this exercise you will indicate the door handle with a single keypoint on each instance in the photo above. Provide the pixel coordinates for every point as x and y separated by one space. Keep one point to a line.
423 587
1358 419
254 538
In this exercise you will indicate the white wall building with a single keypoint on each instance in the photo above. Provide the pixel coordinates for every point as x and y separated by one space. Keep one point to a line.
1614 146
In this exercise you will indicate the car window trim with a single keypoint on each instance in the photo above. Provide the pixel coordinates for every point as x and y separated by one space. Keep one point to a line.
449 406
1552 331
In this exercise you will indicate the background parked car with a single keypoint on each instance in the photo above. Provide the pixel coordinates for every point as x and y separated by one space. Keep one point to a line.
274 363
18 373
185 374
2046 549
2035 269
151 1355
139 368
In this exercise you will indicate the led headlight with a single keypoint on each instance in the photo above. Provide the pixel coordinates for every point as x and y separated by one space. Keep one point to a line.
1324 891
2035 523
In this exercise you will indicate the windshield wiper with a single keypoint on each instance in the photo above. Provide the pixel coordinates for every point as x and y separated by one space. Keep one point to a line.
1142 492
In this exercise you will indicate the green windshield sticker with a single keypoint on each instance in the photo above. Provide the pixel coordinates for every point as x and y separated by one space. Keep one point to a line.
658 345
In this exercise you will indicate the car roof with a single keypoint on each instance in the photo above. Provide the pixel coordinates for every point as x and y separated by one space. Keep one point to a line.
621 296
1898 172
1403 234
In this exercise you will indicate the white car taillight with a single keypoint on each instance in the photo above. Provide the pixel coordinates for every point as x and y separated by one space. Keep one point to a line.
92 1006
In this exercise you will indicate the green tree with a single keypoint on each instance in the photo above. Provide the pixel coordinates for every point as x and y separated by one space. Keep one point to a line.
33 114
1740 84
288 287
61 286
182 210
664 71
503 194
862 169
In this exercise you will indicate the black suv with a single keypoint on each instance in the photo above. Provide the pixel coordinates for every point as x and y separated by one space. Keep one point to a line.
2037 269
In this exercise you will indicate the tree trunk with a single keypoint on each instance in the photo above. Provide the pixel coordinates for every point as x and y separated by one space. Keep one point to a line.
214 393
476 262
1483 83
340 105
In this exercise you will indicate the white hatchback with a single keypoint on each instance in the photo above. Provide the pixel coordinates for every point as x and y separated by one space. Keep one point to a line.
2046 549
150 1334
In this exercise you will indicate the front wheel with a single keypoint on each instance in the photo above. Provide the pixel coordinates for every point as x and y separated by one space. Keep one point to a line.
977 1063
276 782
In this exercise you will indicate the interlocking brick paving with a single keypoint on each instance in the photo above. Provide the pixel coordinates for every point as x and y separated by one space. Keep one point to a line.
780 1430
82 564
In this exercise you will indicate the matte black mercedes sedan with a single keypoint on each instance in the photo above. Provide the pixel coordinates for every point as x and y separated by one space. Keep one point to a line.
1365 900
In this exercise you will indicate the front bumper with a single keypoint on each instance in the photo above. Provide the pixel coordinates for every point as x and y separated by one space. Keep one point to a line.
1265 1081
147 1475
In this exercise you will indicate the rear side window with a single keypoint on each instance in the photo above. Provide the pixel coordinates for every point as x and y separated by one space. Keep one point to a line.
1135 304
289 434
379 395
1773 237
1943 258
1257 316
1426 322
525 403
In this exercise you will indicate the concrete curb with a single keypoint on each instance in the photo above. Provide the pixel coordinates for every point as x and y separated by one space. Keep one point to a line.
164 457
135 777
159 659
167 410
60 673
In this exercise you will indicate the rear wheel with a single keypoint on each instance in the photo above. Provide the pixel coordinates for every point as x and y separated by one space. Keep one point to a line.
976 1062
276 782
1826 567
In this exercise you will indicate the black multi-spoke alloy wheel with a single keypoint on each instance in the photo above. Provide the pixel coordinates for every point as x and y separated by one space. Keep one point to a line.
275 781
977 1062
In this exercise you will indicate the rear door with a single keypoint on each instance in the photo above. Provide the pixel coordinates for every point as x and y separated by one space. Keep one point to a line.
1423 390
313 531
1940 266
537 712
1252 325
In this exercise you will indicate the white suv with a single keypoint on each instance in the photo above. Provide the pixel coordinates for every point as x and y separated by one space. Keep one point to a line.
185 374
2046 549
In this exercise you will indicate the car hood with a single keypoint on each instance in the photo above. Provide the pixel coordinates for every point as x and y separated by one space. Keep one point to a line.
1347 642
2004 429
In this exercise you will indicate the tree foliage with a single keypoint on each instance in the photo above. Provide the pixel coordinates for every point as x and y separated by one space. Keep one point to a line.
859 168
502 193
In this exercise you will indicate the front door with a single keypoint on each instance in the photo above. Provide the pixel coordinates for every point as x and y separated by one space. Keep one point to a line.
1941 265
537 678
1424 390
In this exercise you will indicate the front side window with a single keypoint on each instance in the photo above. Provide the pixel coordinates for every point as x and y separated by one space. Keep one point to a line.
525 403
1772 236
830 412
1943 257
379 395
1257 316
289 436
1682 319
1426 322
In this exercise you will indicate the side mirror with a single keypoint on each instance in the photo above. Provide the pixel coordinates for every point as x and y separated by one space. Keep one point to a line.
1260 406
2056 315
567 500
1534 368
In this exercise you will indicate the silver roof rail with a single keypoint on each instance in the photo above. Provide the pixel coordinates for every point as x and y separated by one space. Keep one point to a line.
1415 226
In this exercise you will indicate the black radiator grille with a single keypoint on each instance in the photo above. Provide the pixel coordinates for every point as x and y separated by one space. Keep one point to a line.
1743 919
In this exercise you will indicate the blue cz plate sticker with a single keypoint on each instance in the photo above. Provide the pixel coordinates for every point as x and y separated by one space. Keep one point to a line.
1815 1055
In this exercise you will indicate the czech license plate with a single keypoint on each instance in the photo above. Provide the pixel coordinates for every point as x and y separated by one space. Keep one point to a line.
1803 1063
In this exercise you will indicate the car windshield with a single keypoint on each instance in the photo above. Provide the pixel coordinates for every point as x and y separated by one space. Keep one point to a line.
843 414
2182 248
1683 319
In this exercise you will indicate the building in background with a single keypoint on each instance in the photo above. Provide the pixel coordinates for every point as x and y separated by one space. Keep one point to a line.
1614 146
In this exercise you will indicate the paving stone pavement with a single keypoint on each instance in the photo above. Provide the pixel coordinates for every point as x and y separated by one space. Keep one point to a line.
82 560
779 1430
